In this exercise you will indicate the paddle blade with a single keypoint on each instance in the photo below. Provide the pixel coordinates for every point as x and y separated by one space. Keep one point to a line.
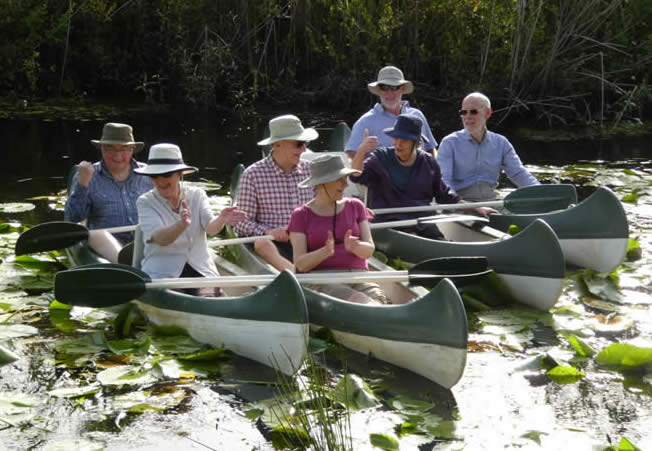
98 285
460 270
50 236
541 198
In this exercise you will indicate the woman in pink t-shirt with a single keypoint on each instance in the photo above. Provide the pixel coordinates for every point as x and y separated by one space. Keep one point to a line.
332 233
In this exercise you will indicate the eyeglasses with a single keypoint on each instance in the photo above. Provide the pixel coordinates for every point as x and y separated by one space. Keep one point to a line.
472 112
389 87
165 176
117 148
300 144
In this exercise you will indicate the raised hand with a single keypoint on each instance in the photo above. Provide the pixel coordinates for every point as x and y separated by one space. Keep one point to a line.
330 244
231 215
351 242
184 212
368 143
85 173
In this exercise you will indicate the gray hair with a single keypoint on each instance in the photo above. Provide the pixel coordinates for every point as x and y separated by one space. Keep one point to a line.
481 97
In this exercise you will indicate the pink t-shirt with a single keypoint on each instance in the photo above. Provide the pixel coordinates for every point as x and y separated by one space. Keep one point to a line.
316 228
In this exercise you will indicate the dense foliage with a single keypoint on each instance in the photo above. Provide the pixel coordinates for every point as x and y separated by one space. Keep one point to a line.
559 60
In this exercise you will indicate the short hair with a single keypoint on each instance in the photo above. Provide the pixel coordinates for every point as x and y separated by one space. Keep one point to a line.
481 97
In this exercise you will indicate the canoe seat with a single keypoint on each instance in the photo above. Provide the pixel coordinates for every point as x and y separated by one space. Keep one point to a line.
139 248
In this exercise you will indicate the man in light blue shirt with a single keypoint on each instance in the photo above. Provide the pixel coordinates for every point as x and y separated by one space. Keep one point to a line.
472 159
390 87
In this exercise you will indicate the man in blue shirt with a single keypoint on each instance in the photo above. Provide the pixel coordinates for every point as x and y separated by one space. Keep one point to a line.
104 193
390 87
472 159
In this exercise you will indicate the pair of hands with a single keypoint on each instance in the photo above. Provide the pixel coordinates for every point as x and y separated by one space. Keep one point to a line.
229 215
351 242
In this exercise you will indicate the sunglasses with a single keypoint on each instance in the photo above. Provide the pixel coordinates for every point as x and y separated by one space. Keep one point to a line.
472 112
165 176
389 87
300 144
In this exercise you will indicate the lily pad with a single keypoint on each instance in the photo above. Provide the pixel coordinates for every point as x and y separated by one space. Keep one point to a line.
16 207
353 392
8 331
625 356
125 375
75 392
565 374
141 401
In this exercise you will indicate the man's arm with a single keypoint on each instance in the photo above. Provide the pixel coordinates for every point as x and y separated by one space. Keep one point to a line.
78 203
514 168
246 201
445 161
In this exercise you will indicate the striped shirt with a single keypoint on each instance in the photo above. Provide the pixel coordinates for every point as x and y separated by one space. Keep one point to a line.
269 195
106 203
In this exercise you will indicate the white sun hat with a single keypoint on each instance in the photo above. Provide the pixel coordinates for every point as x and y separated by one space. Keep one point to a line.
165 158
393 76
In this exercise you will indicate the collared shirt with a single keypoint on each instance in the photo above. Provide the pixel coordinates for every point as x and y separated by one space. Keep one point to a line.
377 119
269 195
190 247
465 162
106 202
425 184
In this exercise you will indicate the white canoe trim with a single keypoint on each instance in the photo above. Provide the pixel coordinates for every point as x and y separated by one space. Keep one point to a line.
441 364
599 254
279 345
538 292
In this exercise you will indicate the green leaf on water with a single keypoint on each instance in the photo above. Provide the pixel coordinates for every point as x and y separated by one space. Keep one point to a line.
125 375
209 355
16 207
75 392
353 392
384 441
141 401
129 346
565 374
634 251
86 344
9 331
624 356
581 348
177 344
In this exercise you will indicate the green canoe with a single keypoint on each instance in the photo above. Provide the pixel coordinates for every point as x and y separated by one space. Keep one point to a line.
422 331
269 325
530 264
593 234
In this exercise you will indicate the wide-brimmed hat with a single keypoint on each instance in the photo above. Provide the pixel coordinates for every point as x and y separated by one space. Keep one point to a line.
390 75
164 159
326 168
288 127
121 134
406 127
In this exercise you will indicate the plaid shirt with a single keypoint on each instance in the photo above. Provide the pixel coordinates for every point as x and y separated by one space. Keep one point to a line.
269 195
106 203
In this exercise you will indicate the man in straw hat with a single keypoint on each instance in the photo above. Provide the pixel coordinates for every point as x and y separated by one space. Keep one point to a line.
473 158
268 191
390 87
104 193
175 219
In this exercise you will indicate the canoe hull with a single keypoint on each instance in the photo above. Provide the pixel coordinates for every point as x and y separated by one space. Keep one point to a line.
593 234
531 264
269 326
428 336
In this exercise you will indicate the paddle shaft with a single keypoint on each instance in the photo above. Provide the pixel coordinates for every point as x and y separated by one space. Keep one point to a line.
312 278
435 207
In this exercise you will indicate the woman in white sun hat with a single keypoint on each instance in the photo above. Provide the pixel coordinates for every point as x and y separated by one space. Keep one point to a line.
332 233
175 219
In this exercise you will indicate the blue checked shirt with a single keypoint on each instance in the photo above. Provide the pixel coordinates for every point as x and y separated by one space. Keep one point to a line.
106 203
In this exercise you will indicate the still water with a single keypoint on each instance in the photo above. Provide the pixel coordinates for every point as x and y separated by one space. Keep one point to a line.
503 401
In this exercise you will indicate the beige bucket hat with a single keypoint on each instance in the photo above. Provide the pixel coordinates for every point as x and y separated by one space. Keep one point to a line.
288 127
390 75
326 168
164 159
121 134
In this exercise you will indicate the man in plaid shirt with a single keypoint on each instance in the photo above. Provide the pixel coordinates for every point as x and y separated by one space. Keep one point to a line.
268 191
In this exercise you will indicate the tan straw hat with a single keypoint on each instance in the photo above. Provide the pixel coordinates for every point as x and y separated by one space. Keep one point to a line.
120 134
164 159
393 76
326 168
288 127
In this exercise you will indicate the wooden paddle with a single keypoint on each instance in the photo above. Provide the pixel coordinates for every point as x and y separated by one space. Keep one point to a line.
527 200
104 285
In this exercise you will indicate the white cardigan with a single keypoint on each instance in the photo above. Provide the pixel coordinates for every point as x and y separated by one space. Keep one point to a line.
154 213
